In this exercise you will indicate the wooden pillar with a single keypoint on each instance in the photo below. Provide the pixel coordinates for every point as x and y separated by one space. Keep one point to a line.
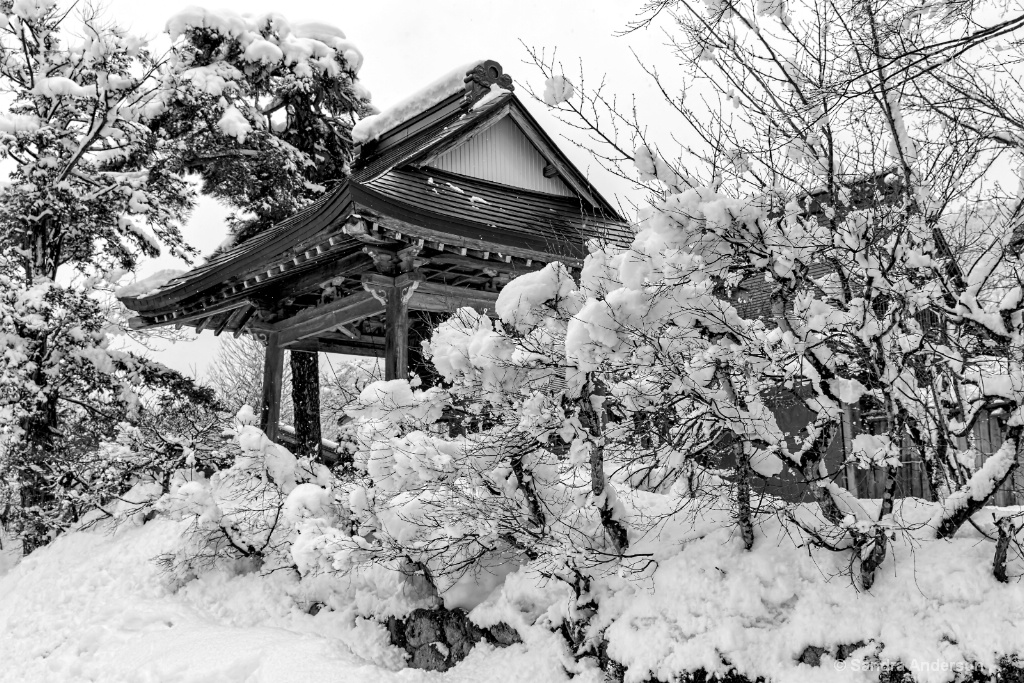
396 336
273 369
394 293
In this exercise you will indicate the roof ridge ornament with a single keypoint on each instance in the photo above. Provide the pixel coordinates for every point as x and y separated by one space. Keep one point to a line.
481 77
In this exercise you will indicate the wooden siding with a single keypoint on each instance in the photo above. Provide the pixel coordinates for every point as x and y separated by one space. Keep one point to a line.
793 416
911 479
986 438
502 154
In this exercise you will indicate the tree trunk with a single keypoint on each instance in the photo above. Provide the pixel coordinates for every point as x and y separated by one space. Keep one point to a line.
743 494
872 554
1006 533
971 498
591 416
305 367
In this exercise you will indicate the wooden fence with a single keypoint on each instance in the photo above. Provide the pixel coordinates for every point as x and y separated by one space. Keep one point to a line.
912 480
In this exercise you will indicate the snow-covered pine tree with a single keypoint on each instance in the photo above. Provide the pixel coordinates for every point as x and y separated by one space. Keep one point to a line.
89 190
262 110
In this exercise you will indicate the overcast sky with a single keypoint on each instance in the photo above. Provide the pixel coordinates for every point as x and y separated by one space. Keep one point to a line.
406 45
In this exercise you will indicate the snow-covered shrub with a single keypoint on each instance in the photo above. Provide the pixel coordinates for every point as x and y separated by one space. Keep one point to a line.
268 511
172 441
841 241
527 457
596 426
246 512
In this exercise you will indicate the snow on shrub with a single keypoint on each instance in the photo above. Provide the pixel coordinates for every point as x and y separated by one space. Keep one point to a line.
529 299
247 512
600 431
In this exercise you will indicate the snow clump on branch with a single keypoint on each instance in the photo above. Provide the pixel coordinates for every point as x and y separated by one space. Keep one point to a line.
557 89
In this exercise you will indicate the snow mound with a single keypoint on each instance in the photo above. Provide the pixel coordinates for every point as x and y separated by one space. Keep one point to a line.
95 606
372 127
934 607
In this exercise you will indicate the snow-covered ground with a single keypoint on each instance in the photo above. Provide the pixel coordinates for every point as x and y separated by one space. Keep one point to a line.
95 606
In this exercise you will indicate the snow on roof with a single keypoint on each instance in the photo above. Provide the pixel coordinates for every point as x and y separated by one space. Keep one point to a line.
148 285
494 93
372 127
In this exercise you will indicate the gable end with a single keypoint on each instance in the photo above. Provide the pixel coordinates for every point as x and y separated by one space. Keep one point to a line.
503 154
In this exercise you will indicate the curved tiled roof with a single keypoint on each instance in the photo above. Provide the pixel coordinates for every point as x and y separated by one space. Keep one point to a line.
290 234
387 183
489 212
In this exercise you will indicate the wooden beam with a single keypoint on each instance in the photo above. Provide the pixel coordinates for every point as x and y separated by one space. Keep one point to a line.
433 296
463 244
325 272
465 279
333 338
232 319
244 321
331 346
140 323
273 370
312 321
480 264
